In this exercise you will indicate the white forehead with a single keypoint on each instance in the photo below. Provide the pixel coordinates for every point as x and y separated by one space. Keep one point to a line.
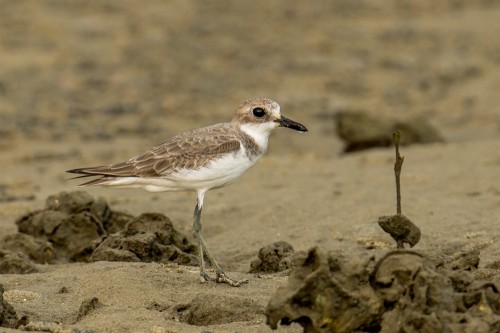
274 108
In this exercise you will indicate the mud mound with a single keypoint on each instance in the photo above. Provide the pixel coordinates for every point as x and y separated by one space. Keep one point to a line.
74 226
401 229
359 130
212 309
15 263
148 237
8 317
38 250
70 222
404 293
275 257
87 306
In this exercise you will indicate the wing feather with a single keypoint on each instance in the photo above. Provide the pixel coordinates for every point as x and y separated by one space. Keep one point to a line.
193 149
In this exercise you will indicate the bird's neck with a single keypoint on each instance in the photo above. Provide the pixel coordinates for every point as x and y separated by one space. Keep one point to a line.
255 138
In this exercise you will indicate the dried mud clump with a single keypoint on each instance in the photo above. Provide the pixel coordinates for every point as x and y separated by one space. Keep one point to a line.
148 237
8 317
401 229
74 226
404 293
464 260
70 222
211 309
360 130
275 257
38 250
324 295
15 263
87 306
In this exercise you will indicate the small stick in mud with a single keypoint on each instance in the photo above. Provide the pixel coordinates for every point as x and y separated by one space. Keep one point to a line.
401 229
397 169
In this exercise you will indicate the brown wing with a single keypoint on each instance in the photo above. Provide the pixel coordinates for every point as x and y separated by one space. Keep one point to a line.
193 149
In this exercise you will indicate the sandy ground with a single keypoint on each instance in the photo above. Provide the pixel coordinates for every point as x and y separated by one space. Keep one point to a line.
88 82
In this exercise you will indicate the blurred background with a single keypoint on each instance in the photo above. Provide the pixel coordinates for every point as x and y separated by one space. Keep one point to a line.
126 75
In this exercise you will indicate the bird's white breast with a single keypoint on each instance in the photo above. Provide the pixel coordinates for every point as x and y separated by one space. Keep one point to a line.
218 173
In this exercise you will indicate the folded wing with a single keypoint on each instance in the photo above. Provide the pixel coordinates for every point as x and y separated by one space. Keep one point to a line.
191 150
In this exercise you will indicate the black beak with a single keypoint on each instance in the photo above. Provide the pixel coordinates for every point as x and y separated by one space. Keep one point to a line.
285 122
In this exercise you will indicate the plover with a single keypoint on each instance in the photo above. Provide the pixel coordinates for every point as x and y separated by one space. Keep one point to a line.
200 160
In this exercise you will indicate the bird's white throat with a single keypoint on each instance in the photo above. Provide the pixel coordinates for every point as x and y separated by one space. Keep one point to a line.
259 132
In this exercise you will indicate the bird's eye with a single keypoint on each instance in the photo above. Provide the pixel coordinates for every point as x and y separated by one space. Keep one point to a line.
259 112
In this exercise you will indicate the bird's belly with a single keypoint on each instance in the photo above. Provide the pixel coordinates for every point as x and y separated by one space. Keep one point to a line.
218 173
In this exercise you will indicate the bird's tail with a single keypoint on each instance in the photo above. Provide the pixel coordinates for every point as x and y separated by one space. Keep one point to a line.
91 172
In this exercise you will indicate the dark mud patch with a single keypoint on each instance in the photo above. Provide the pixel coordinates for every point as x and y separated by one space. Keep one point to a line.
401 229
275 257
360 130
8 193
463 261
87 306
148 237
38 250
70 222
212 309
404 292
8 316
12 262
52 327
75 227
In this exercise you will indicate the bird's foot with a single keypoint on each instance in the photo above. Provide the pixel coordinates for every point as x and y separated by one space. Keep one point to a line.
204 277
221 277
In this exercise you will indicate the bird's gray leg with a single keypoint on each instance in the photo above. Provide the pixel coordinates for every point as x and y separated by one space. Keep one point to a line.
196 230
221 276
